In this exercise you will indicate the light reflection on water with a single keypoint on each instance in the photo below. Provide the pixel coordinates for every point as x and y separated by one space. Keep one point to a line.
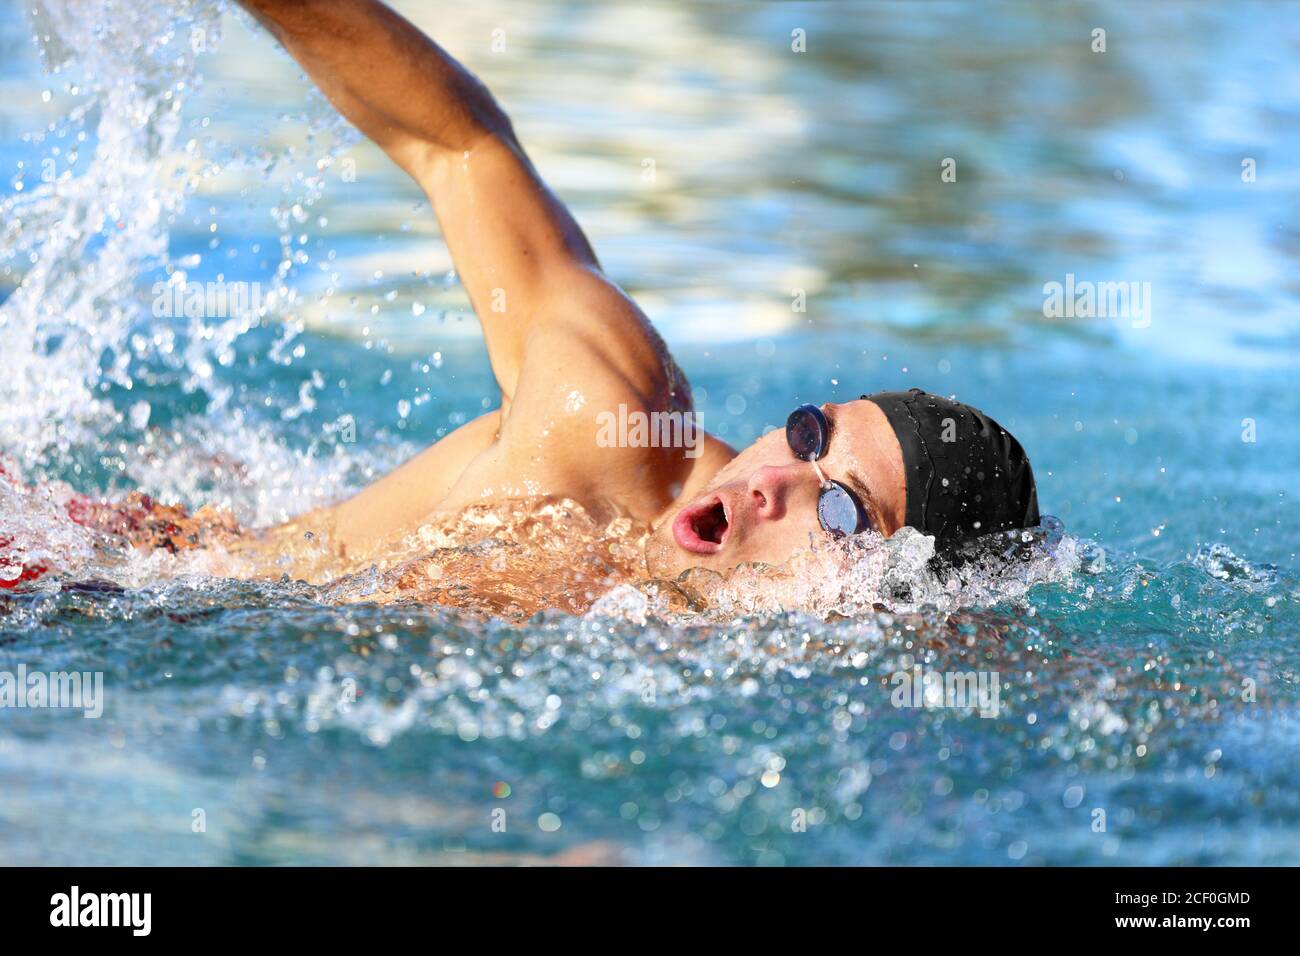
773 171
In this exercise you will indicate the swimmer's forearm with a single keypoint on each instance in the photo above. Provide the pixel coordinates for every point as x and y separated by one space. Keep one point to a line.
390 80
524 261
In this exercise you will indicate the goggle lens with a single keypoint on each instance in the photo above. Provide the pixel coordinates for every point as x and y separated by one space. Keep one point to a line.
838 511
807 431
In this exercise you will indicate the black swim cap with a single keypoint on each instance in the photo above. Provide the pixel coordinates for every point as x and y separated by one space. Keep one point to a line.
966 474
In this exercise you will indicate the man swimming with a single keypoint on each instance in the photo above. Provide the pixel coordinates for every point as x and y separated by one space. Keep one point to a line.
568 347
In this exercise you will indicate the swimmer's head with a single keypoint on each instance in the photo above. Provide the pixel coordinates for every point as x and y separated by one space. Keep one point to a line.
897 458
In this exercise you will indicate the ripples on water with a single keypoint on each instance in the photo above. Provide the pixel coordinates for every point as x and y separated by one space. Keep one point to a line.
378 734
1146 662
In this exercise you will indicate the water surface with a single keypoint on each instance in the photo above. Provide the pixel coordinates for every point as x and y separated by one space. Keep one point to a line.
311 733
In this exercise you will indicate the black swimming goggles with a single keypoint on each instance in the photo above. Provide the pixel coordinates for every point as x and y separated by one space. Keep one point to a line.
838 509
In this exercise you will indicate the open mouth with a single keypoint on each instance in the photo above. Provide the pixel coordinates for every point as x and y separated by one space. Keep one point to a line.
702 528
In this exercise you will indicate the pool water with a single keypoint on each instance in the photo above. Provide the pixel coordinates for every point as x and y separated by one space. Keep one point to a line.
1148 701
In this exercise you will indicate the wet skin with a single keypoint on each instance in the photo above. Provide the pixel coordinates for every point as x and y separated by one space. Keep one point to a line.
762 505
565 342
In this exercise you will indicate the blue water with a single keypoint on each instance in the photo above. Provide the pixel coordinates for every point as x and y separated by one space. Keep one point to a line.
1155 680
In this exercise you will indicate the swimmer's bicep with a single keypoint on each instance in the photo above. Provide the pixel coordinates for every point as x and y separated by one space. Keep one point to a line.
569 402
544 302
415 489
518 249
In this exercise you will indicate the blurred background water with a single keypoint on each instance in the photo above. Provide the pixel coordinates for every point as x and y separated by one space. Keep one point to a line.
718 172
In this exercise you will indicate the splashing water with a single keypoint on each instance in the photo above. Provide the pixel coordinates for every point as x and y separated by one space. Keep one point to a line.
81 325
757 717
84 334
92 323
89 235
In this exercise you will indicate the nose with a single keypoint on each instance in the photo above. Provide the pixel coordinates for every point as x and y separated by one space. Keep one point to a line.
771 486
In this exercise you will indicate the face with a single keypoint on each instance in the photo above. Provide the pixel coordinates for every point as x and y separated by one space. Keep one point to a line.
762 505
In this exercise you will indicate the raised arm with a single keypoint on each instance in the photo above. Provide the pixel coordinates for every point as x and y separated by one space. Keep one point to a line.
566 344
516 247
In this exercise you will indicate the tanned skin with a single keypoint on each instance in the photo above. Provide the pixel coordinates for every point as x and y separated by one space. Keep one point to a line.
565 342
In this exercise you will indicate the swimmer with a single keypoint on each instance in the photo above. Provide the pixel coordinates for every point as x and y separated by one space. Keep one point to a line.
566 344
570 351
